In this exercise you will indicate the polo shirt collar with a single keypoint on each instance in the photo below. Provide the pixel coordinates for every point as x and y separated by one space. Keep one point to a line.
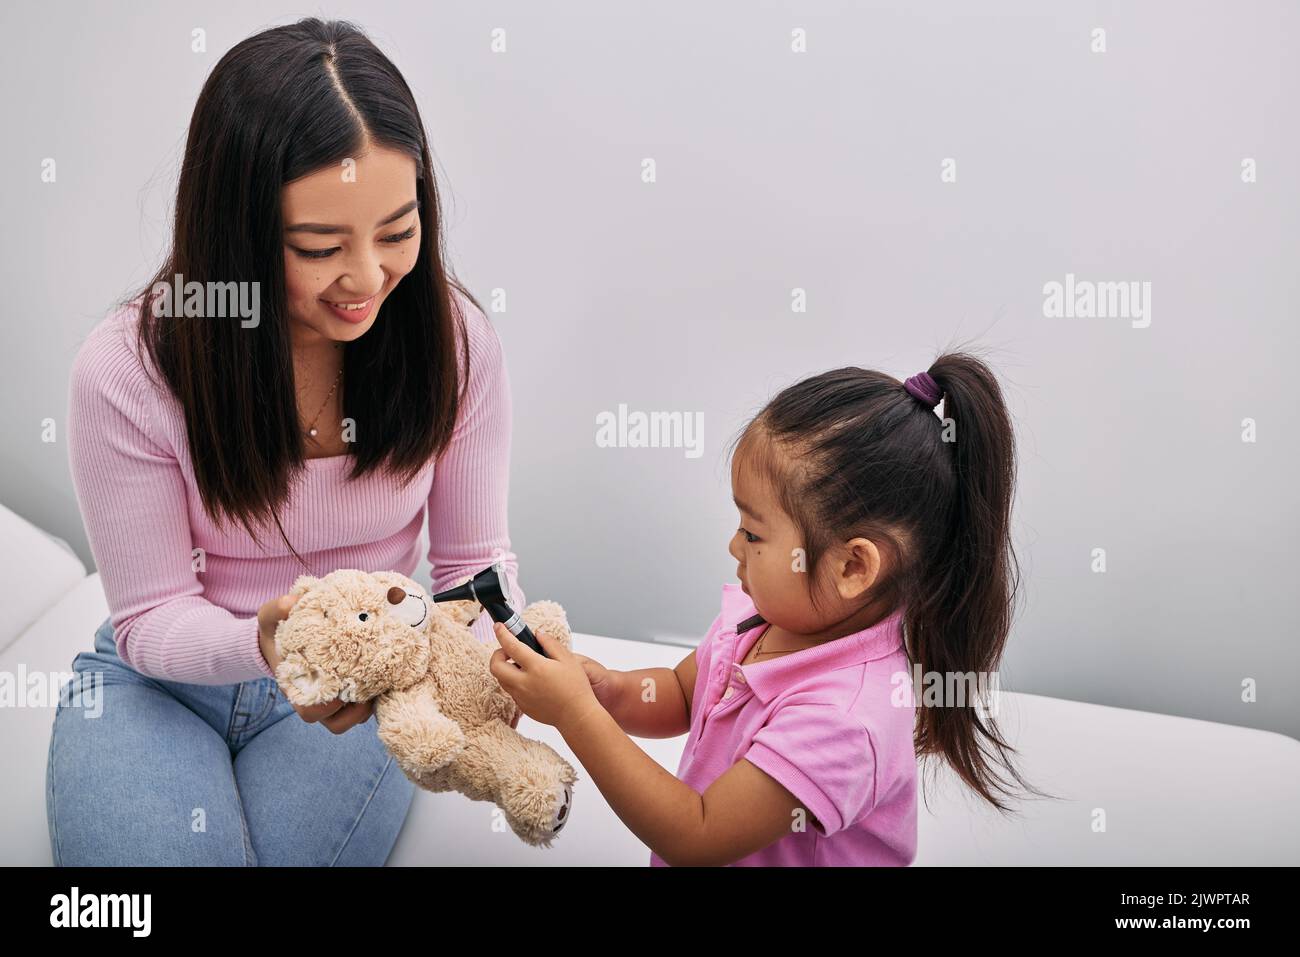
769 678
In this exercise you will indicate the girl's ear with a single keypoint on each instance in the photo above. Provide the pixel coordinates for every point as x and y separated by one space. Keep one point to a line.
304 584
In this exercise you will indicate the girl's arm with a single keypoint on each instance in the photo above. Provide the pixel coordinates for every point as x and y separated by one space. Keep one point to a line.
649 702
742 812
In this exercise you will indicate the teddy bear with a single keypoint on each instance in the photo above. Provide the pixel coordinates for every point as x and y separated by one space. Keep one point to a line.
445 719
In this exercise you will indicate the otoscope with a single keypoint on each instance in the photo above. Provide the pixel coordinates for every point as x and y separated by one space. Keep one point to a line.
488 589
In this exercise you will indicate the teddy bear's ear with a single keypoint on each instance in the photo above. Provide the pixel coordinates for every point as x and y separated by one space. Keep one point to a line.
461 612
304 584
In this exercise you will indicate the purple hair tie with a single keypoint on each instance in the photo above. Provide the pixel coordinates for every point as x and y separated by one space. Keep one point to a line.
924 389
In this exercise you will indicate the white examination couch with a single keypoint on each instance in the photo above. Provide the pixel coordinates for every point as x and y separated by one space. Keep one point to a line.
1174 791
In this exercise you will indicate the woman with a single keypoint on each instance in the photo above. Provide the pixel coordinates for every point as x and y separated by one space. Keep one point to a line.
219 451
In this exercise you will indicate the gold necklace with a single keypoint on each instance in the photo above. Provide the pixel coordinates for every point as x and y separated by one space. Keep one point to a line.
758 649
311 429
758 646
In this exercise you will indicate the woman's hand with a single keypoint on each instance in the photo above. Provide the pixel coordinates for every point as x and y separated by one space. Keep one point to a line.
550 690
338 716
269 617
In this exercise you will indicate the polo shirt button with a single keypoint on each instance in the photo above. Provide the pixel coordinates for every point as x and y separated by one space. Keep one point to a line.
728 693
740 676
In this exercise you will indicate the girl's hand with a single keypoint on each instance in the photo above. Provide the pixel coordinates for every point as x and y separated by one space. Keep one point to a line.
550 690
604 683
338 716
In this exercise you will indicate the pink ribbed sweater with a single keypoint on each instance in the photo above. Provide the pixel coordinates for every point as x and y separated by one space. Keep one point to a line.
131 470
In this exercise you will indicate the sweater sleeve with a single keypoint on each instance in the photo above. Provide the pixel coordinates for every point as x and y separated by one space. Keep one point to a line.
468 528
133 499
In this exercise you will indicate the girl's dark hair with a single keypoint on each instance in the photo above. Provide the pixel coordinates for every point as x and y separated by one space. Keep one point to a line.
279 105
850 453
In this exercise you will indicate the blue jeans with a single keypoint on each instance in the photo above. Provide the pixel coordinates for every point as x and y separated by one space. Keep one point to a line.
149 772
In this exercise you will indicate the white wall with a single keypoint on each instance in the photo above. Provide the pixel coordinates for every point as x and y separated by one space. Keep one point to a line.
779 170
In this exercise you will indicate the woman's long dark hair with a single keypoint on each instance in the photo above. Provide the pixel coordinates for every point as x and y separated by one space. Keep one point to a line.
279 105
850 453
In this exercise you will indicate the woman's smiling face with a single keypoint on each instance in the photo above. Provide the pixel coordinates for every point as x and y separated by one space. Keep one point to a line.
350 235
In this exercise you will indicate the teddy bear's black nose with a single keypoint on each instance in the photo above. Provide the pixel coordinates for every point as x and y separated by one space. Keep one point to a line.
396 596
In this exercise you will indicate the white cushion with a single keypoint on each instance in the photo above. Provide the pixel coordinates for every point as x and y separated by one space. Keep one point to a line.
1175 791
45 649
35 570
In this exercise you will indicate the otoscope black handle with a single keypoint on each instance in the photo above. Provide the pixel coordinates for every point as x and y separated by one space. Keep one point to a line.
506 615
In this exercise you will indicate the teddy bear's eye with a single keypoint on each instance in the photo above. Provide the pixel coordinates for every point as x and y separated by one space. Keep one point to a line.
363 616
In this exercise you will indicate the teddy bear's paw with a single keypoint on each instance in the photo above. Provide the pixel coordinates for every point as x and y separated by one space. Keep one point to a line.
561 816
538 795
540 833
305 684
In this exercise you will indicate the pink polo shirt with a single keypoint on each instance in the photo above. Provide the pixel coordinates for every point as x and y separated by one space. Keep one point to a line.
824 722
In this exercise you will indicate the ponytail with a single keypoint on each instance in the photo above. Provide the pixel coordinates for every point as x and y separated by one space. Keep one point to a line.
959 610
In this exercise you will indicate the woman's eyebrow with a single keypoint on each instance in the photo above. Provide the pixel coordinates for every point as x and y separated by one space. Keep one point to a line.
745 508
324 229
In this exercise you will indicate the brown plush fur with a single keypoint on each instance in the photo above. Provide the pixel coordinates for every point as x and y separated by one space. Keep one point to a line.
441 714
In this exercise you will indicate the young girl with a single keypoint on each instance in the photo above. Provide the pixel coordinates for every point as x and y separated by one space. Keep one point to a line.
873 535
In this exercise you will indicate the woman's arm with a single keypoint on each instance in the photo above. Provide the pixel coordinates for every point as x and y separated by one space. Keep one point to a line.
467 509
134 504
